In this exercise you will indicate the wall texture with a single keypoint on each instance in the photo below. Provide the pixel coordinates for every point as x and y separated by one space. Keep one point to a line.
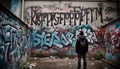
14 40
57 13
109 38
56 24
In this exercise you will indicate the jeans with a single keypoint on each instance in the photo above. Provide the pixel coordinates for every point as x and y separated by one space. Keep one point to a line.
84 61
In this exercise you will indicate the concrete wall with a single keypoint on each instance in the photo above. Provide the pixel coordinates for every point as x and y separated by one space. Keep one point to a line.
56 24
93 13
14 40
62 17
109 38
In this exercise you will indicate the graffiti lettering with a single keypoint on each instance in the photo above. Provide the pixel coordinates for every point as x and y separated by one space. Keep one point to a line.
111 35
56 38
56 18
14 40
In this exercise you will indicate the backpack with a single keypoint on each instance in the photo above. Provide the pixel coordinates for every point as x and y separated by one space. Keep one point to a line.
82 46
83 42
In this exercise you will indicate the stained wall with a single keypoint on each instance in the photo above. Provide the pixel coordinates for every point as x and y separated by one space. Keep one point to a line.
14 40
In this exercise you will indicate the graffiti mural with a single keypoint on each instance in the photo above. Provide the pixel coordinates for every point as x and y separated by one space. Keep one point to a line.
63 37
61 14
111 37
76 14
56 24
14 40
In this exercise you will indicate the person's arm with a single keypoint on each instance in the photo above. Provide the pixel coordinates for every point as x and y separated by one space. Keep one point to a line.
77 43
87 44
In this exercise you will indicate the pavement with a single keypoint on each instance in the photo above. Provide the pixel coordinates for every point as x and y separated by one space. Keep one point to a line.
65 63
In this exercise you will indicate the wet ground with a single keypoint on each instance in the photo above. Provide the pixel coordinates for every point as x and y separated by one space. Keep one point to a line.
66 63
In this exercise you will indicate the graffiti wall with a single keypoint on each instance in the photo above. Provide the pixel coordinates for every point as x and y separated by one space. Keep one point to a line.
14 40
56 24
62 37
111 37
61 14
16 7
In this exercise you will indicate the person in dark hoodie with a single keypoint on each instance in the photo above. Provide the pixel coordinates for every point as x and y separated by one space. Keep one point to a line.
81 49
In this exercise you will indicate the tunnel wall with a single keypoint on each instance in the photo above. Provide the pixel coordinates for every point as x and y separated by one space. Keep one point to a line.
109 38
56 24
14 40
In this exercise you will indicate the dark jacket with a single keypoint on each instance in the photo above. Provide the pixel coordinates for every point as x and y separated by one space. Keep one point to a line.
81 49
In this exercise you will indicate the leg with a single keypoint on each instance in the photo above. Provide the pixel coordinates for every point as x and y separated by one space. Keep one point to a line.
84 61
79 61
